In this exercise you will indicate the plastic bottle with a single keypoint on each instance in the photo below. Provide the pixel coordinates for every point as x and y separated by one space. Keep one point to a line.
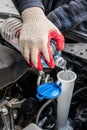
57 55
10 31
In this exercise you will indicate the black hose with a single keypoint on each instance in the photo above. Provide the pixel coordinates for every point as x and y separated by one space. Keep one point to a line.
12 120
41 109
78 91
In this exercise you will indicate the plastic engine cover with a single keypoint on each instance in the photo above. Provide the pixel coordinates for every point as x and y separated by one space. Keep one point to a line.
12 66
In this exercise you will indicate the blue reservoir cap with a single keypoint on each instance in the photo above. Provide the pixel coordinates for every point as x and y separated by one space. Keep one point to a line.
48 91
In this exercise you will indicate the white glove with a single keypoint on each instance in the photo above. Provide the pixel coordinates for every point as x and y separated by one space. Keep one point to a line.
35 37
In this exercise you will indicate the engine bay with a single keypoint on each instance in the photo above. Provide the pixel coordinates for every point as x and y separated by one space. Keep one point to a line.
19 105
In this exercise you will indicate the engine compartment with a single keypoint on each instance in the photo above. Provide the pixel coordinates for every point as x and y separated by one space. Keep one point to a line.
19 105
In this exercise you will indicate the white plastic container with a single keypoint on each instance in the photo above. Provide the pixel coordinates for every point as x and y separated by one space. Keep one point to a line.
32 126
67 78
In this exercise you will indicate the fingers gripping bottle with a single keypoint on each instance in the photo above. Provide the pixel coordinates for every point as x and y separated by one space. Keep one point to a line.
57 55
10 31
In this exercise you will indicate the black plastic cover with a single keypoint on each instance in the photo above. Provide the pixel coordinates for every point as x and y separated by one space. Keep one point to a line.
12 66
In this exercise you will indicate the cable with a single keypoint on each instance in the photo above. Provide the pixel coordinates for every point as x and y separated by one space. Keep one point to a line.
81 89
41 73
11 120
41 109
47 79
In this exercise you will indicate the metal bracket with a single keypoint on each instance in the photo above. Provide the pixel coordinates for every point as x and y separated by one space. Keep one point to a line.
77 49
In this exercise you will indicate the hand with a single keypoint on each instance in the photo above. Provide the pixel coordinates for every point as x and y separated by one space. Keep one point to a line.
35 37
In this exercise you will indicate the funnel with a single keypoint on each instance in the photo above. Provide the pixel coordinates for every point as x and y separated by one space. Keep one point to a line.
67 78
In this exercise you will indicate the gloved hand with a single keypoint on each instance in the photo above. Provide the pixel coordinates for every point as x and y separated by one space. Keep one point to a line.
35 37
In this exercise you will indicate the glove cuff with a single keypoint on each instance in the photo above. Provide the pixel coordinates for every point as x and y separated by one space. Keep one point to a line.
32 14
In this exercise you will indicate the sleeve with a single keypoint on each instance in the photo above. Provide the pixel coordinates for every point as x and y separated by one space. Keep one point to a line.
69 15
23 4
